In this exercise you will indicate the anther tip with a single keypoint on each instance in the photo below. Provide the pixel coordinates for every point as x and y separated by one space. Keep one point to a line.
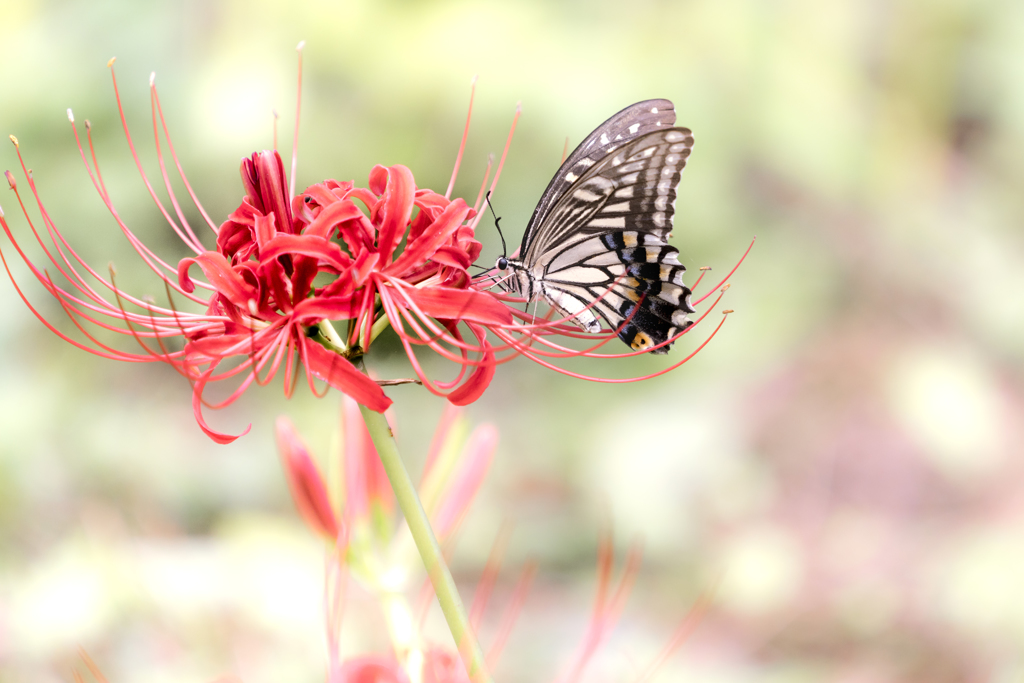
111 62
14 140
71 115
10 179
301 45
727 286
152 78
705 267
88 124
472 83
728 311
274 112
519 106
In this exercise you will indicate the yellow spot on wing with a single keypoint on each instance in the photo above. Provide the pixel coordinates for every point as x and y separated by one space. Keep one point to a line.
641 340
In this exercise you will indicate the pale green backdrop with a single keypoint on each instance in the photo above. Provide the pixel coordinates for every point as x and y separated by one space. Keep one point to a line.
844 459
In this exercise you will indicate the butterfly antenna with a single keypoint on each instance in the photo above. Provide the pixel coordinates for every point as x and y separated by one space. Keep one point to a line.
504 249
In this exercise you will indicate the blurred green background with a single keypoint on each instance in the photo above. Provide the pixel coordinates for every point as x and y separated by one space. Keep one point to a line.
843 457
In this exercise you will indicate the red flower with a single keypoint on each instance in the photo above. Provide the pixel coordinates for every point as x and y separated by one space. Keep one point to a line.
283 268
415 658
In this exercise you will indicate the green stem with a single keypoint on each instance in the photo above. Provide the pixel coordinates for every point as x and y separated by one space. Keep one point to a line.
426 543
332 337
382 324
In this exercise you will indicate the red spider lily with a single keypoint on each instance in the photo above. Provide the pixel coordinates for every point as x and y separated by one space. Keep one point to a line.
283 268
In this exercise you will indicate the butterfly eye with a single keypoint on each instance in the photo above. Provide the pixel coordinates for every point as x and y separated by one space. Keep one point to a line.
502 263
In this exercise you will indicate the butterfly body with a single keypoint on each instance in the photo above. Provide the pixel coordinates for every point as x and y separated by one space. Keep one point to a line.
596 246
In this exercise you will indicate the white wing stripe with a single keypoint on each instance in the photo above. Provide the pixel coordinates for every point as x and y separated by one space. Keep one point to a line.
621 207
618 222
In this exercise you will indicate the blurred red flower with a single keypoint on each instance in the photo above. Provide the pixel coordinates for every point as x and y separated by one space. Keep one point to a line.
452 476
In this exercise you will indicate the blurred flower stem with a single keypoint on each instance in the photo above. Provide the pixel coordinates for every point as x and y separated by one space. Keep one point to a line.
426 543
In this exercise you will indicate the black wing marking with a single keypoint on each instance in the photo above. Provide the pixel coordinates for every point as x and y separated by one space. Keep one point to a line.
632 188
632 122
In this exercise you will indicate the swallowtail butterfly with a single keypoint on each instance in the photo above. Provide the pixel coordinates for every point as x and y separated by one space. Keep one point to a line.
598 235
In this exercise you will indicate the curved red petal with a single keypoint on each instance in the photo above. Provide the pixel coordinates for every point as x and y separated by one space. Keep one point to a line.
266 229
394 213
343 376
456 304
215 346
378 180
320 193
273 187
197 409
306 245
235 234
332 214
475 385
221 276
184 280
457 278
431 205
273 275
329 307
437 233
363 266
451 256
304 272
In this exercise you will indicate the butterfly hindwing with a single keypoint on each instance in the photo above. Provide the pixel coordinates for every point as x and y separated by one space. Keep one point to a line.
632 280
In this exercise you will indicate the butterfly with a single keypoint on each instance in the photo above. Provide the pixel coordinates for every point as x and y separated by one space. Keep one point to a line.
596 243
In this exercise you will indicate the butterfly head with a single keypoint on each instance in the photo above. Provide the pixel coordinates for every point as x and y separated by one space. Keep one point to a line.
513 276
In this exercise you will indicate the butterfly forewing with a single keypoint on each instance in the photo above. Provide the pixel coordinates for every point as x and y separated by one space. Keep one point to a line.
632 122
631 188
